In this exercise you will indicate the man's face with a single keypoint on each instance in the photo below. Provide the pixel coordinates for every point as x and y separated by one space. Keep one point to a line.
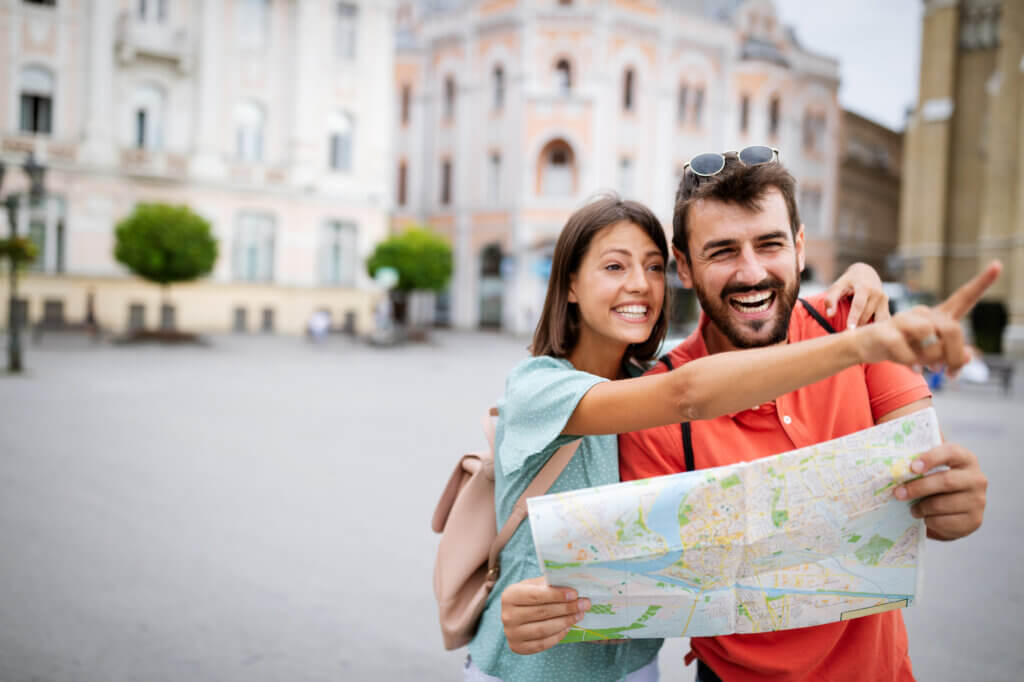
745 269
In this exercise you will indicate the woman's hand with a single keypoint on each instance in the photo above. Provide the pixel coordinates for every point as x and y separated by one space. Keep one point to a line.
536 617
927 336
869 300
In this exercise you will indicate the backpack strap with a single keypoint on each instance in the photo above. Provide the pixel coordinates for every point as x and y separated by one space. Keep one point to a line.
687 434
540 484
817 317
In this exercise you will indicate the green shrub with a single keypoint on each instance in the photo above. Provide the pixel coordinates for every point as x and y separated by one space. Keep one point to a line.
423 260
165 244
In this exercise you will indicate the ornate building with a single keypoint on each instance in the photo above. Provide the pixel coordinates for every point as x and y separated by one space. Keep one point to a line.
511 113
964 155
270 118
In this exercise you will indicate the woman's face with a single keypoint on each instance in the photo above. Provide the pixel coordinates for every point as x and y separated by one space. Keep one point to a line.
619 286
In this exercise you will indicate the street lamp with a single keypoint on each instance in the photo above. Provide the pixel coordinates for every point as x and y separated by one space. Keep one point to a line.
35 172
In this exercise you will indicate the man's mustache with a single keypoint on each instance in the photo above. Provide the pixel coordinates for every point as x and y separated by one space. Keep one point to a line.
768 283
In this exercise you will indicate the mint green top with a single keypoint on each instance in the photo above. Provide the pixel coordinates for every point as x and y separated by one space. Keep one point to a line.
541 394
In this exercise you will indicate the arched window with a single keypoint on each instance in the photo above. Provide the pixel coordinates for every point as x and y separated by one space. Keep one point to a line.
253 258
698 106
249 124
499 87
773 116
563 78
681 102
556 172
628 87
36 87
449 98
148 117
341 131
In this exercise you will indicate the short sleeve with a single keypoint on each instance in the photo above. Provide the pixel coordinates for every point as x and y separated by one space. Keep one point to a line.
893 386
541 393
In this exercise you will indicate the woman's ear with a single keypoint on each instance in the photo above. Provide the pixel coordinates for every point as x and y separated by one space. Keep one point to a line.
572 290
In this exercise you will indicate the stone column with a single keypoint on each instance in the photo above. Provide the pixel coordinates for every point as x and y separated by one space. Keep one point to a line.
307 141
208 158
1012 35
98 147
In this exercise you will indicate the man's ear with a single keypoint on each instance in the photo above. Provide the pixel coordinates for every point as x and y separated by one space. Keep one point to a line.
572 290
683 268
800 247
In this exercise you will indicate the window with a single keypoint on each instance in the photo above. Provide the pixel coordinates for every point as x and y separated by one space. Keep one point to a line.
499 87
406 104
446 182
773 116
402 180
494 178
347 30
556 170
254 248
47 3
253 23
249 132
698 106
563 78
627 90
147 117
813 131
626 176
810 210
684 95
152 10
338 253
340 142
36 86
744 113
449 98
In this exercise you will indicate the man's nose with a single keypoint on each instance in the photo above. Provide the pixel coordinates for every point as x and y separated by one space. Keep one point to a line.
751 269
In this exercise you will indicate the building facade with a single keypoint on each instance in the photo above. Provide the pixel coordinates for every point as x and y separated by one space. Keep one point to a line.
964 156
867 222
512 113
270 118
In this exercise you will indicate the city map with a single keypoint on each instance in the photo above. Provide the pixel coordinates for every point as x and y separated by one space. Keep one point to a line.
806 537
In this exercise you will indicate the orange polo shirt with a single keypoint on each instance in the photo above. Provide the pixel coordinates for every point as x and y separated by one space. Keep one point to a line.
868 648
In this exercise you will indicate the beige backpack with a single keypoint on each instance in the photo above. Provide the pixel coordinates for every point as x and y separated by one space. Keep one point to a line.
467 565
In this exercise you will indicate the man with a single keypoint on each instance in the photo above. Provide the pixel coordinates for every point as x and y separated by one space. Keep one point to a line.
739 244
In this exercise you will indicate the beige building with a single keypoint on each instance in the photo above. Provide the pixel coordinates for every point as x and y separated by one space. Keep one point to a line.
511 113
867 223
270 118
964 154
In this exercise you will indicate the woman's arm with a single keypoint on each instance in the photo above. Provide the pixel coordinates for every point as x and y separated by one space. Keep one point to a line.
737 380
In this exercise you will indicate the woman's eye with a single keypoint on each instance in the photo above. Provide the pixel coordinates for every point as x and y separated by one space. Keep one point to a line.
658 267
613 266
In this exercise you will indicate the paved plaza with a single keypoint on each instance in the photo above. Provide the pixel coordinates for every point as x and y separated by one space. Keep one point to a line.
259 510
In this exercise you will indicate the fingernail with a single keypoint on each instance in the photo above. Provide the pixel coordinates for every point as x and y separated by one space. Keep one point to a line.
917 466
569 595
584 605
578 617
900 493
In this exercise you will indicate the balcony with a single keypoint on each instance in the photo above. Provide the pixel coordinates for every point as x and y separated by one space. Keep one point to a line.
42 146
138 38
154 164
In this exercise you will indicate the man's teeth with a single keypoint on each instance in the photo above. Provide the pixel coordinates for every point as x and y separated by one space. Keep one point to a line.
637 311
753 302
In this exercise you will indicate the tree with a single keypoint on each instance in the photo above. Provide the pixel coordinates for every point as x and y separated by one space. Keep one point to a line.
423 260
165 244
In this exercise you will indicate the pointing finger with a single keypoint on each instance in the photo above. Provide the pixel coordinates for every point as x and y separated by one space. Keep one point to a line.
964 298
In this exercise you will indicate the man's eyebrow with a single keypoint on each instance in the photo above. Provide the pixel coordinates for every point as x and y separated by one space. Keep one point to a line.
717 243
778 234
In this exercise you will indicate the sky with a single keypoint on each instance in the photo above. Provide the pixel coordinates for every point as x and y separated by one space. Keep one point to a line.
877 43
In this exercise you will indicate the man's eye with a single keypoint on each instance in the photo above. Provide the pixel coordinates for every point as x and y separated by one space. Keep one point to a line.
772 245
719 254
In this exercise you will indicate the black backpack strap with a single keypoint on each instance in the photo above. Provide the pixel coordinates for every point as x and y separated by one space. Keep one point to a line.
817 317
667 360
687 436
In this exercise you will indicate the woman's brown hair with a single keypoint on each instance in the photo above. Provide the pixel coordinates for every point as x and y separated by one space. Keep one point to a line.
559 328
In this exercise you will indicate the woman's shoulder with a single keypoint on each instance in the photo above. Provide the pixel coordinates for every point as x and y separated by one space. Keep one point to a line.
540 363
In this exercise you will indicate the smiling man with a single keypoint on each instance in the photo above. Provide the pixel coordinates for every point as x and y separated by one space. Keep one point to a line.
739 245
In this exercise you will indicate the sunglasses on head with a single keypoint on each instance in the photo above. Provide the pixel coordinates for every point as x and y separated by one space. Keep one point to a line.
710 163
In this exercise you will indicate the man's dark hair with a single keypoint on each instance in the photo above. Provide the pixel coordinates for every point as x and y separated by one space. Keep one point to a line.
737 184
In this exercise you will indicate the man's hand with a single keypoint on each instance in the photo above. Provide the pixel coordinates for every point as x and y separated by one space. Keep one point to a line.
536 617
869 300
953 500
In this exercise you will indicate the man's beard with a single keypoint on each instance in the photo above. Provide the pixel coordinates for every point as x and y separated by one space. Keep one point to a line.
720 312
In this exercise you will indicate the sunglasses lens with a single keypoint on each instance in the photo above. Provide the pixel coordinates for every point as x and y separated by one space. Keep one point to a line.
756 154
707 164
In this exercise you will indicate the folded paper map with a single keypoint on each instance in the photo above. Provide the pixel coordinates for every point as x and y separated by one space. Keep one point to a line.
810 536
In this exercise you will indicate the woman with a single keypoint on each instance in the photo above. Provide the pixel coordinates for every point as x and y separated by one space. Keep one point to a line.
605 308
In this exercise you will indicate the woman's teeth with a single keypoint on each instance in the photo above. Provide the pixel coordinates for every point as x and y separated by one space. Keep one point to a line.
753 303
632 312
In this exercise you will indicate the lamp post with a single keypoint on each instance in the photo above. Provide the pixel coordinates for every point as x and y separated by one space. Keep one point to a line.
35 172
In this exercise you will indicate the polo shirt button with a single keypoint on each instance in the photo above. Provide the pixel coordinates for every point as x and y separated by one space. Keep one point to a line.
787 419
